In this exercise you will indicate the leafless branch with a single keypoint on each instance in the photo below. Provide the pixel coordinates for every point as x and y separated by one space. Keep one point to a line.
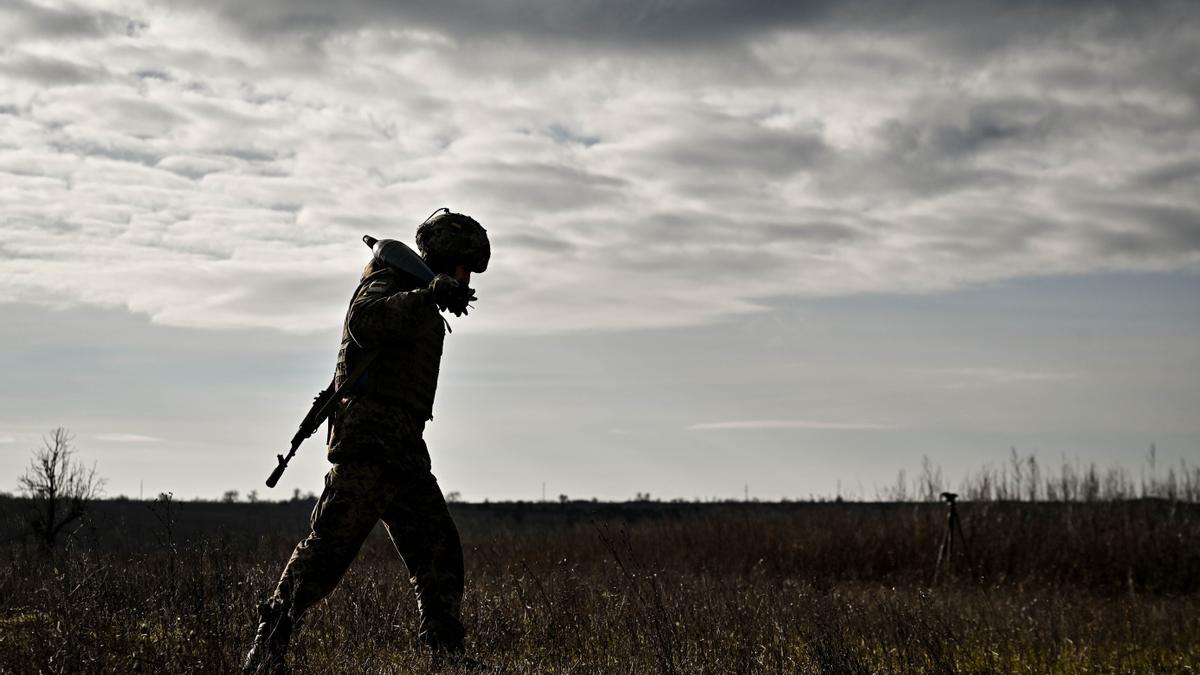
58 487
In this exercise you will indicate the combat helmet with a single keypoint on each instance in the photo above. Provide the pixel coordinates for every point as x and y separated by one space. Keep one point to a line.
447 239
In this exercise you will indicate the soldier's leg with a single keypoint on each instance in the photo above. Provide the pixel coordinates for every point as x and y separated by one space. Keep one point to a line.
426 538
348 509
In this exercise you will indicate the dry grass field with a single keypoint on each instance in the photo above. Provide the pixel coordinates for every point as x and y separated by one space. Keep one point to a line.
1093 585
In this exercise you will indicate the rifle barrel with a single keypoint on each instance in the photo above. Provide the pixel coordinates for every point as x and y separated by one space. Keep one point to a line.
273 479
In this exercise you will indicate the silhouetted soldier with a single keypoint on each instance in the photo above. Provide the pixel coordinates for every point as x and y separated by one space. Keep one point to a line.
381 467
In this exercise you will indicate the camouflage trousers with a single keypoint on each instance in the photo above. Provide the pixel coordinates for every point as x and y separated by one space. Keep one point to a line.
409 502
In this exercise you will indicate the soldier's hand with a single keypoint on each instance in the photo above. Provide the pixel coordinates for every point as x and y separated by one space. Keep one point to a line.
461 299
444 289
449 295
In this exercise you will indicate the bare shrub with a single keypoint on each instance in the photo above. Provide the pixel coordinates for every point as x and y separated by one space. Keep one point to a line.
59 488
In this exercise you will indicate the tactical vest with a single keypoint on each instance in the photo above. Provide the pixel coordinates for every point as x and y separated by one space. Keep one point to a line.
405 370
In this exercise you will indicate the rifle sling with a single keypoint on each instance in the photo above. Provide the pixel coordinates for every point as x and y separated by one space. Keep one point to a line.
351 379
323 413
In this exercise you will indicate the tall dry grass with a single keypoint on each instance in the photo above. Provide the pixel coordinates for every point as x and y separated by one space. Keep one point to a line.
1079 586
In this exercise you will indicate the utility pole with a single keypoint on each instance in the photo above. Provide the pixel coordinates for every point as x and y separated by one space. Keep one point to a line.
746 491
543 490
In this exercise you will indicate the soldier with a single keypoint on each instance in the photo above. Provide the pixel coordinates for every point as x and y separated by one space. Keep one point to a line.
381 468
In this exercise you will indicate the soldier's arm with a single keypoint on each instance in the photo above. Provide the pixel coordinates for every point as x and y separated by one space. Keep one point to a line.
380 312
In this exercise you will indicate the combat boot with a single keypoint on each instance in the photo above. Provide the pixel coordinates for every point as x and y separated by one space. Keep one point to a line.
268 653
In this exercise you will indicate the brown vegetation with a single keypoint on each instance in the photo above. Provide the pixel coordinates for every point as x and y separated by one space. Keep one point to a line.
820 587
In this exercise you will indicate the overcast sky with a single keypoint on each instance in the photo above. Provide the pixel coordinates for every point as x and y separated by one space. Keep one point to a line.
778 244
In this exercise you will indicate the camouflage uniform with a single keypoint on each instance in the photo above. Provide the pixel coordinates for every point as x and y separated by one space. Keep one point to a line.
381 468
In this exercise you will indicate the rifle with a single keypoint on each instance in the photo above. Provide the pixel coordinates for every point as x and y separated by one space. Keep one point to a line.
398 256
319 412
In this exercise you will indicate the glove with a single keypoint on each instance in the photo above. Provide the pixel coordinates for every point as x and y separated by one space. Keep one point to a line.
450 295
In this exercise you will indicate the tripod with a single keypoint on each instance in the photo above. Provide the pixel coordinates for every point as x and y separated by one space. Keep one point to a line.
953 526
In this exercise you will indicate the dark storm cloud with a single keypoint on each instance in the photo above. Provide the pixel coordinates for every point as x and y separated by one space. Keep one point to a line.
660 24
1184 173
963 32
542 243
709 248
697 156
940 146
987 125
964 28
753 229
32 20
541 187
919 158
249 154
723 144
48 71
120 154
817 232
1149 229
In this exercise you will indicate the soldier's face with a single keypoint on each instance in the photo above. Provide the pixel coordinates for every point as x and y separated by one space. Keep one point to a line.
462 275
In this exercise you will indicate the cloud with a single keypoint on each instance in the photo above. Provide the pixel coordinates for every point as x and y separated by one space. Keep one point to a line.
47 71
34 20
637 167
1185 173
659 25
1147 230
807 425
984 376
127 438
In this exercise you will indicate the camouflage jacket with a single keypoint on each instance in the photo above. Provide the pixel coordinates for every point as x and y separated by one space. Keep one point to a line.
385 412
